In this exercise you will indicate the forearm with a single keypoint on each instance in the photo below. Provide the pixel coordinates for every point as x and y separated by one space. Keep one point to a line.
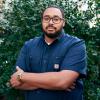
50 80
26 86
42 80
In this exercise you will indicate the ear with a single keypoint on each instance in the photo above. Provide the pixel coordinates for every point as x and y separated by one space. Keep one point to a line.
63 23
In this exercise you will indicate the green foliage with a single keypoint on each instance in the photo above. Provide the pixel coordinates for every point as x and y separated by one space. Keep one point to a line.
23 21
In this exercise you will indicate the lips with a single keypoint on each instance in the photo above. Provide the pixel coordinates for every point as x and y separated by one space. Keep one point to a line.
50 28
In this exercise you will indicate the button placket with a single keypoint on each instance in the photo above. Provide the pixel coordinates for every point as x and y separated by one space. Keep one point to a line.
45 59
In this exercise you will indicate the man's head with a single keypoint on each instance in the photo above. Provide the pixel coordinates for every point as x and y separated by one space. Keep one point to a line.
52 21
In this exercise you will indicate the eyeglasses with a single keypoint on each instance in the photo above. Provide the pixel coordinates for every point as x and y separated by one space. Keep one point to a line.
55 19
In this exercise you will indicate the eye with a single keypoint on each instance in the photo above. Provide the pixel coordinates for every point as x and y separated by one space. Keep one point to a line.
46 18
56 19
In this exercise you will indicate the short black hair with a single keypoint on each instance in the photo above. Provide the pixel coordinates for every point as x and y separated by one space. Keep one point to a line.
54 6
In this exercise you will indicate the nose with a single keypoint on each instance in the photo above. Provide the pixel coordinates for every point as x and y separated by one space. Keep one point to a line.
51 22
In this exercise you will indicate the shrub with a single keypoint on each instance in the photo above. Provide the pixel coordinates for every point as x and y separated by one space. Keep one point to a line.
23 21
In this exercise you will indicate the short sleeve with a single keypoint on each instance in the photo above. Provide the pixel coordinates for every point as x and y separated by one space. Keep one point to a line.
22 60
76 59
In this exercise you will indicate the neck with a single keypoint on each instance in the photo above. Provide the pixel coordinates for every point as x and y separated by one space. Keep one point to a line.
49 40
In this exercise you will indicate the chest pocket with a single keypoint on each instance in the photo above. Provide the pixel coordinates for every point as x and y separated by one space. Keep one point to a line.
34 55
58 57
35 61
56 63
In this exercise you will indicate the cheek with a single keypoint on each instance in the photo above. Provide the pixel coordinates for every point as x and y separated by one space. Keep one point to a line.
44 25
59 27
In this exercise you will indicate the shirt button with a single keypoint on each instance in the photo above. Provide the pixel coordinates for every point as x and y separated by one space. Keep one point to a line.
44 61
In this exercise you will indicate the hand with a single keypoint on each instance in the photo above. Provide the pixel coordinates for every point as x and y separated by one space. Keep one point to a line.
71 87
14 78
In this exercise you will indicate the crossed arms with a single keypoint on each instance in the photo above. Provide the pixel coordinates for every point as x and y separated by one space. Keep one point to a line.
62 80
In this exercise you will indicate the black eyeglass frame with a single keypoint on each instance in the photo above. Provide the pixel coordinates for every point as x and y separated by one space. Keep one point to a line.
60 19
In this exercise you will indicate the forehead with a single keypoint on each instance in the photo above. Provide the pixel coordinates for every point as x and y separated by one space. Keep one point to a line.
52 12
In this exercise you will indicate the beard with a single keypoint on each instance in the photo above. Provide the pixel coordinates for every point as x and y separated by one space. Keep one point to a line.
52 35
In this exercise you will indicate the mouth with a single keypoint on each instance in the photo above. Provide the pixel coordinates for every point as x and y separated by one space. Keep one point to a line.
50 28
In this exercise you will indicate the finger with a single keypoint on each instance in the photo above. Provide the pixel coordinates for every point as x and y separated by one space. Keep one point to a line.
73 84
18 68
14 84
69 90
12 76
72 87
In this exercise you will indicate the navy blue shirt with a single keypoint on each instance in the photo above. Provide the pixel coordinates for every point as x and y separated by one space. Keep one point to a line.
65 53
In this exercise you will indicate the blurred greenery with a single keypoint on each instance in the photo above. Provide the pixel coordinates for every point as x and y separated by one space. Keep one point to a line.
23 21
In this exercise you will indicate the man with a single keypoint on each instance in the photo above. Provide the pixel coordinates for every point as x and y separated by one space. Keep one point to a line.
49 65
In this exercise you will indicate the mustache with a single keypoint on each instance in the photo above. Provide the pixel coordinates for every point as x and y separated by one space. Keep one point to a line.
50 26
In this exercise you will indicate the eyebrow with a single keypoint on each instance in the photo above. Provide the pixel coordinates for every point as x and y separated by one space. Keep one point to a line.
50 16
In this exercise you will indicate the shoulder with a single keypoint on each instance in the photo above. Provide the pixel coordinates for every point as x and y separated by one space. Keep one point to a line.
73 42
31 42
73 39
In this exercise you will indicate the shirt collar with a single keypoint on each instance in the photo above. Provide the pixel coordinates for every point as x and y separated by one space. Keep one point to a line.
61 35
